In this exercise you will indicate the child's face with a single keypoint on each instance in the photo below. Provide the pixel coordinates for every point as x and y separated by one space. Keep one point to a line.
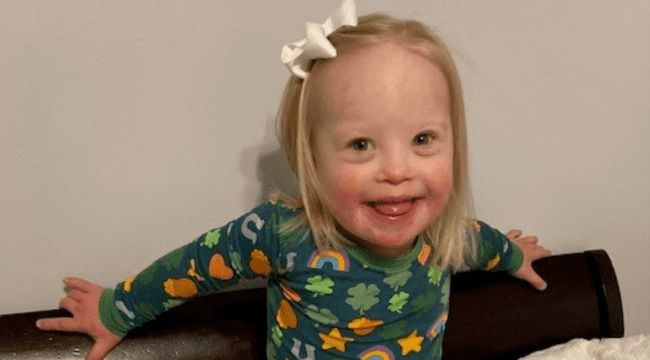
383 144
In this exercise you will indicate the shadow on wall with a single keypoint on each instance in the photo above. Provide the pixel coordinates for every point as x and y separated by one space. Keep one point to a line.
271 172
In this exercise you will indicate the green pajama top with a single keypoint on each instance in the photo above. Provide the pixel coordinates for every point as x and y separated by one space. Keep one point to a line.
332 304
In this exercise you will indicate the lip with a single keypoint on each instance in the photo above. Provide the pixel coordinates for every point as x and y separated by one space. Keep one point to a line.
392 210
391 200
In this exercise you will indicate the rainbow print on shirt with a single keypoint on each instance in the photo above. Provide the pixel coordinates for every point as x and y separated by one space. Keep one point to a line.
338 260
438 326
379 352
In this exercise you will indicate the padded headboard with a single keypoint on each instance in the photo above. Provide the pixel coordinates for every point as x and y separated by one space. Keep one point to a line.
492 315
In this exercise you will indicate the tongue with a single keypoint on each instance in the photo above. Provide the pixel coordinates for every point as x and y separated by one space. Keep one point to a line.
393 209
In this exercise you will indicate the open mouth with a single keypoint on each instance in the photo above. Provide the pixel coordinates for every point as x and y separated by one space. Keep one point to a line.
392 207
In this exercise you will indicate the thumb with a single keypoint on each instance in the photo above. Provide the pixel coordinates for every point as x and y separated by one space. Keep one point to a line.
537 281
100 349
527 273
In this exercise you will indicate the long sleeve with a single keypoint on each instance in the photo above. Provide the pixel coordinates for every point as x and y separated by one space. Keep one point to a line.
245 248
495 251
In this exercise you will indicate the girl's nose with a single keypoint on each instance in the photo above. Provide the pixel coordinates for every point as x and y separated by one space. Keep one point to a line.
395 167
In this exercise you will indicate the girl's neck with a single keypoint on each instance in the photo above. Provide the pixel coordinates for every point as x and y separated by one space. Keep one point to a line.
381 251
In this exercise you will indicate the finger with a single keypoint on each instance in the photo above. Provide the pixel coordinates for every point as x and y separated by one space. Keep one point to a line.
99 350
513 234
68 304
529 240
537 282
77 295
536 252
543 252
60 324
78 283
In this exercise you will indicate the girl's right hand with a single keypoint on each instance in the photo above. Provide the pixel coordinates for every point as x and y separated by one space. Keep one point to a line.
82 301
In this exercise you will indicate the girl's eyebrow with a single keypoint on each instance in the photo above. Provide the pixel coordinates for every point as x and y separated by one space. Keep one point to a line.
349 131
442 122
445 124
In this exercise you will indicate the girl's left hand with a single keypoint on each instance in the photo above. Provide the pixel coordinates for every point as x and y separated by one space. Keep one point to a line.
532 251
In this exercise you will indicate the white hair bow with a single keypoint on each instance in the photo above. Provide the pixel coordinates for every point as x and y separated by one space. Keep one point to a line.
298 56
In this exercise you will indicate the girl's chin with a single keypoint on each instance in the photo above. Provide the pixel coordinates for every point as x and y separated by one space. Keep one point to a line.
392 249
386 246
391 240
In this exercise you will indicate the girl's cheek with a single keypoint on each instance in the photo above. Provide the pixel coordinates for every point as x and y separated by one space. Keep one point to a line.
347 191
352 184
444 181
441 173
444 178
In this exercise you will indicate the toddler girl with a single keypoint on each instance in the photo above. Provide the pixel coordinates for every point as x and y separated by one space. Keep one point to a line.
359 265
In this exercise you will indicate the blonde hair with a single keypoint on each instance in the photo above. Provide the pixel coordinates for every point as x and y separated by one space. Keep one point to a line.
451 245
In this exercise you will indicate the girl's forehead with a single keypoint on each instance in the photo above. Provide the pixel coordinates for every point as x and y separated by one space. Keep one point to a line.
379 77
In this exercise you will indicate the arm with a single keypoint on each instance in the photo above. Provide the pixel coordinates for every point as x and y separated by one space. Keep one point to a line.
211 263
82 300
511 252
532 251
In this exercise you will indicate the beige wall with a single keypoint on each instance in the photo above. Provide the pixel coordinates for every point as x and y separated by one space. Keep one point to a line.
127 128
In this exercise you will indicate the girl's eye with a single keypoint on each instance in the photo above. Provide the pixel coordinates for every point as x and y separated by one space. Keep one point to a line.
361 145
422 139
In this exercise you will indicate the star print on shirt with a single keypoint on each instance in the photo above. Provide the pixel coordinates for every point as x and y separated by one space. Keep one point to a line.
334 340
410 343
